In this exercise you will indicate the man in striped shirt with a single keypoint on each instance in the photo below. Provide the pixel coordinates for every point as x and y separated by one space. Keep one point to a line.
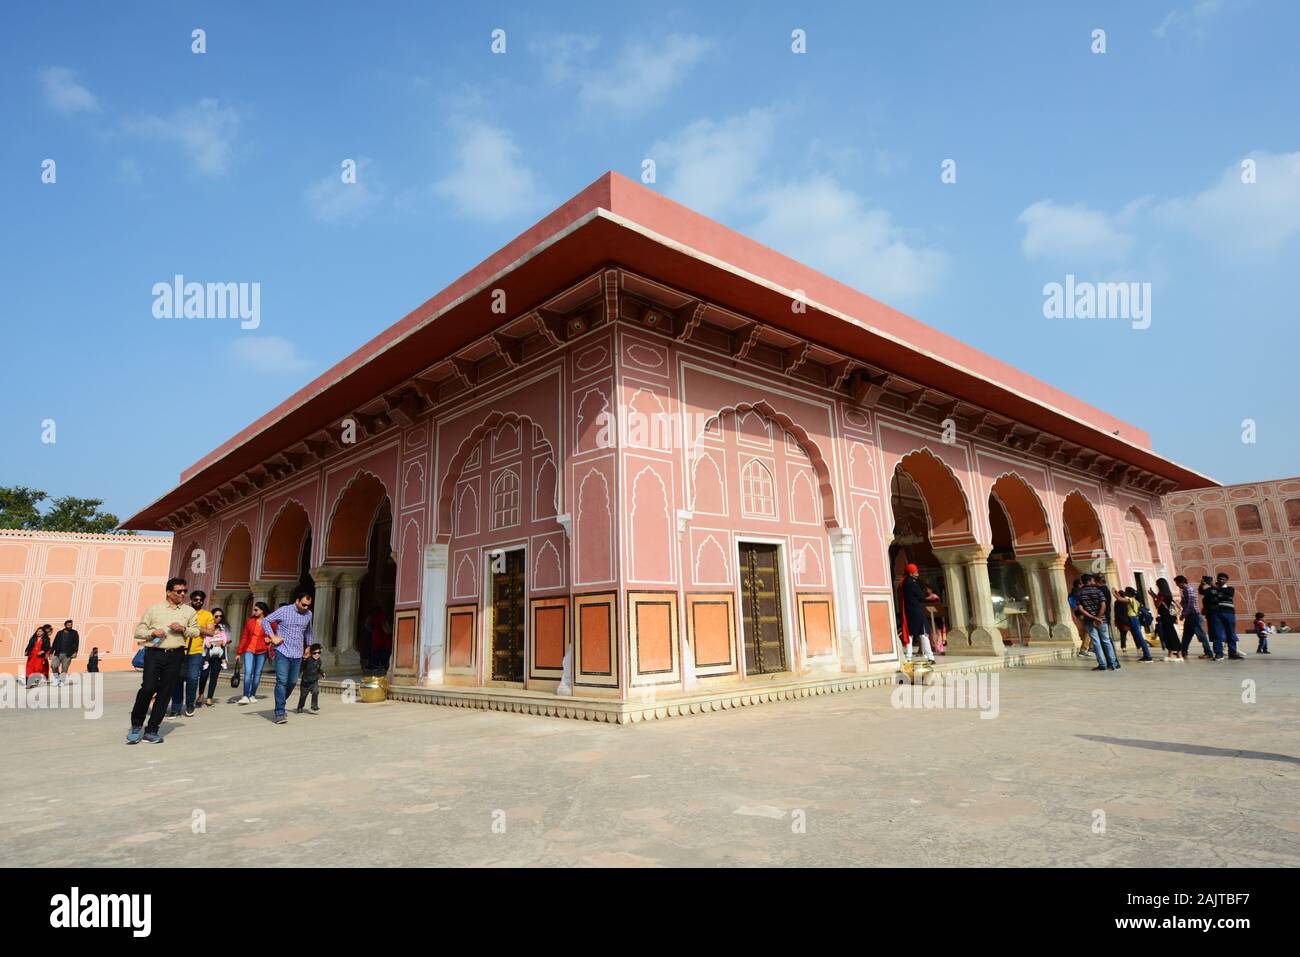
1191 616
1094 609
289 629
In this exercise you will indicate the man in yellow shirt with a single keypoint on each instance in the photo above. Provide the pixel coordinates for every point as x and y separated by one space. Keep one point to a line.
164 630
187 685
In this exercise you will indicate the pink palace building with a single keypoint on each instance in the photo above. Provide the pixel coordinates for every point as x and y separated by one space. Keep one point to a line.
635 461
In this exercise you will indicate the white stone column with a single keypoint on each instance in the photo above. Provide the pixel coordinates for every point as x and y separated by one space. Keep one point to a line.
349 598
236 615
954 586
848 604
322 613
433 615
1063 628
983 636
1039 632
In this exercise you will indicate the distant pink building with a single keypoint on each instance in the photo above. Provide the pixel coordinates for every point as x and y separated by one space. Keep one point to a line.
1250 531
101 582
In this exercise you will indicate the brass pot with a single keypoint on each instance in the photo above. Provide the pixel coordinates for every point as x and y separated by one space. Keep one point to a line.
374 688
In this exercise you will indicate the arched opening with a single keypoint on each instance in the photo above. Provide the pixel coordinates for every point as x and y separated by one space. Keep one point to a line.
931 524
1084 542
1007 582
288 548
378 593
236 569
1018 523
359 542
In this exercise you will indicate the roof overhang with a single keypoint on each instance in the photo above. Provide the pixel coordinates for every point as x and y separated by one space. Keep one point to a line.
618 221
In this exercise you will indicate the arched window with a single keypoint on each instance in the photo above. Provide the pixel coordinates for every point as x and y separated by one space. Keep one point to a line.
505 500
1248 519
757 497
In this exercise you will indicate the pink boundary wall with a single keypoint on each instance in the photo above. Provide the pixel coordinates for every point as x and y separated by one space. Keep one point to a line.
101 582
1251 531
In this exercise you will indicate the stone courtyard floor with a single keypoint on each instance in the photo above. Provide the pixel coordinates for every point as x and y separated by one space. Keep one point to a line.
1169 758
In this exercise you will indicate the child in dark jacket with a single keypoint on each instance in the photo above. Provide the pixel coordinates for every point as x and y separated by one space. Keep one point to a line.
312 673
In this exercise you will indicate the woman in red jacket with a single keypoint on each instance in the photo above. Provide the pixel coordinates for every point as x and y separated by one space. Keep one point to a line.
252 651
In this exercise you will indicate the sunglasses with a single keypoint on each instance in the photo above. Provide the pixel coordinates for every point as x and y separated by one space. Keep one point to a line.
179 591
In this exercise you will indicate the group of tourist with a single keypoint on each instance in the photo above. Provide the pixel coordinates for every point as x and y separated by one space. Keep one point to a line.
1208 612
184 647
49 659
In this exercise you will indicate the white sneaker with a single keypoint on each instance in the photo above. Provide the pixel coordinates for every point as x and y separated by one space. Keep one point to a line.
252 699
243 700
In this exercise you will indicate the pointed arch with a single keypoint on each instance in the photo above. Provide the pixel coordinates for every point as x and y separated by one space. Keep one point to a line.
288 532
1140 537
1026 513
467 446
947 510
1083 534
187 559
353 516
830 514
235 569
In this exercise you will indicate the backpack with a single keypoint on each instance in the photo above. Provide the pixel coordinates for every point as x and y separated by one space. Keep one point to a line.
1144 616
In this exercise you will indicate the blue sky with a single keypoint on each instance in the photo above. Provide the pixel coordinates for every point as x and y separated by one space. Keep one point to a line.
1119 166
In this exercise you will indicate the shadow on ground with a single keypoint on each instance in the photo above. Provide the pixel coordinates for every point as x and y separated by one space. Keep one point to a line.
1200 749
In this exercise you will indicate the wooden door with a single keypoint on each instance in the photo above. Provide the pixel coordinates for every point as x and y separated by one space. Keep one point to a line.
760 607
508 619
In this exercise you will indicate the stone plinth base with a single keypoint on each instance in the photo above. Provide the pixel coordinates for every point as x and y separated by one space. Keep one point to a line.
615 711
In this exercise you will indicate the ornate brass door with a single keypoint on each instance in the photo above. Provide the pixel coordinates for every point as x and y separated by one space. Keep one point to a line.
760 607
508 619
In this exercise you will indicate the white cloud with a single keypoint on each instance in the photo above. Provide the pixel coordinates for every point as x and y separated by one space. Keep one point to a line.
1251 217
205 130
331 200
1054 231
489 182
643 73
1194 19
64 94
267 354
820 222
725 170
710 166
562 54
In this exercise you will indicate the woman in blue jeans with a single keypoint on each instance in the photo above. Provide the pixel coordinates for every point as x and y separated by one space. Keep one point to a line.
1133 604
252 651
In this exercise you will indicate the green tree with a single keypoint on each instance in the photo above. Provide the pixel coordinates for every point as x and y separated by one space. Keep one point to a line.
20 508
71 514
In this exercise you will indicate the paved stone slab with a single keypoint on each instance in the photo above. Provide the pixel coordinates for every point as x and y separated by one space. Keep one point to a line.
1185 772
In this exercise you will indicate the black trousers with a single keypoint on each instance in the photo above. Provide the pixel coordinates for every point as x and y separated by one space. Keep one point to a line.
160 672
314 690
